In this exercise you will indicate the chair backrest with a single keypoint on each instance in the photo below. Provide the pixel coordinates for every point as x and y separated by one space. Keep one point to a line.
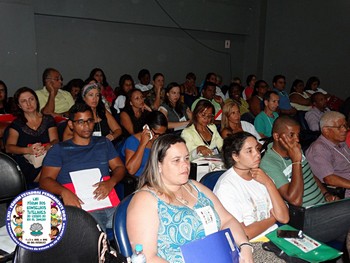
11 178
119 227
78 244
210 179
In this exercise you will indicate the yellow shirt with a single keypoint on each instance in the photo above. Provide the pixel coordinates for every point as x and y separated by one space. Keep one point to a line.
63 100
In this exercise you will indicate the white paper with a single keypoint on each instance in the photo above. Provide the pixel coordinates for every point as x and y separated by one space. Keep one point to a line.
83 182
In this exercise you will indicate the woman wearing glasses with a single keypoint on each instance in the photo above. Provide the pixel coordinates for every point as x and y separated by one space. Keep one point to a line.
105 124
137 147
202 138
30 135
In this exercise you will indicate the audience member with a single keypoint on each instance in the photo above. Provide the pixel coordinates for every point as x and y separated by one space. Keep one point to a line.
167 203
104 122
319 107
212 77
144 77
154 97
52 99
177 113
329 155
264 120
285 163
208 93
313 85
235 94
31 135
74 87
237 80
106 90
137 147
256 102
126 83
231 122
4 105
189 90
299 99
279 84
132 117
246 191
248 91
202 138
82 152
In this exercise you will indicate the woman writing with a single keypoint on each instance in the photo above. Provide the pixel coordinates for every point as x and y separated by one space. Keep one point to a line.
177 113
137 147
231 121
166 204
202 138
132 117
31 134
105 124
246 191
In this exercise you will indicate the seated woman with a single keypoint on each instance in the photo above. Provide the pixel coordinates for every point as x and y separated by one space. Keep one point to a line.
163 216
4 105
235 94
105 124
106 90
177 113
126 83
136 149
74 87
246 191
299 99
256 102
202 138
30 134
231 121
133 116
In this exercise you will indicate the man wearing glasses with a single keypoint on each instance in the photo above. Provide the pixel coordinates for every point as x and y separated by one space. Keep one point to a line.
84 170
329 155
52 99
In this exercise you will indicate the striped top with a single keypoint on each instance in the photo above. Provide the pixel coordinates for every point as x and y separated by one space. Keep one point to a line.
280 171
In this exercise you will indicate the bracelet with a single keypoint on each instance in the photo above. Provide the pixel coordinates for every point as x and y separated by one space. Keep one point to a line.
246 244
296 163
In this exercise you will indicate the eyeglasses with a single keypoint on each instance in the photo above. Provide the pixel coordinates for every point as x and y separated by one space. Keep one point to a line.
81 122
156 133
204 116
344 126
56 79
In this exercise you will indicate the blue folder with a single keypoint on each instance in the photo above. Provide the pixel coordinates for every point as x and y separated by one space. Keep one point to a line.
218 247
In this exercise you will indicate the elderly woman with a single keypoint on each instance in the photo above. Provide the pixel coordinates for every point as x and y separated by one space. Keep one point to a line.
246 191
167 203
105 124
30 135
202 138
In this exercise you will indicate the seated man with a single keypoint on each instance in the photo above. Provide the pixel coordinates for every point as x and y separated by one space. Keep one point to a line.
264 120
83 151
52 99
279 85
208 92
319 107
285 163
329 155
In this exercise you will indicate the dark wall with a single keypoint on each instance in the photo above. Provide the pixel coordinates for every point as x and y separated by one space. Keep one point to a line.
126 35
309 38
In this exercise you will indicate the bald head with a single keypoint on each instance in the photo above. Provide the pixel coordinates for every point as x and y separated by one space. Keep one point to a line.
280 124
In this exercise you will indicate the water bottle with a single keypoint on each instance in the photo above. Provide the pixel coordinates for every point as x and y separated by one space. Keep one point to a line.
138 256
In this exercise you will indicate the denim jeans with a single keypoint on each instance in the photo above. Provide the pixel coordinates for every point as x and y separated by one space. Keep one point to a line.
104 217
329 221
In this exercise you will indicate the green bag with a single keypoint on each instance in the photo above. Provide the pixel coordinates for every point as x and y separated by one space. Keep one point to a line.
307 248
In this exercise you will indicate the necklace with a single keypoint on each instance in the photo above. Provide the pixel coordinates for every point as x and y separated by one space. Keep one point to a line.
181 198
279 156
204 140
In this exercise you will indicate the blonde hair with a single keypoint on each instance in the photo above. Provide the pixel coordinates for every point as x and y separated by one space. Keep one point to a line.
151 176
226 112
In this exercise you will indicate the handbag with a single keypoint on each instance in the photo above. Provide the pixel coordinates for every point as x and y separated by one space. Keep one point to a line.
105 254
36 161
